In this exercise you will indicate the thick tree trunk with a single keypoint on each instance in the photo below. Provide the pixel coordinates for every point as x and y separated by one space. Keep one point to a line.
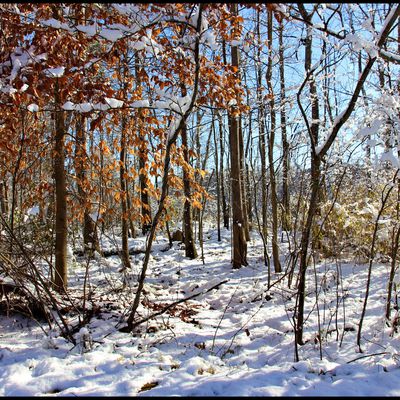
238 228
239 239
60 274
190 248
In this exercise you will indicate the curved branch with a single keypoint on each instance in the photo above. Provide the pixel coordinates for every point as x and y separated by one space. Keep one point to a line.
342 118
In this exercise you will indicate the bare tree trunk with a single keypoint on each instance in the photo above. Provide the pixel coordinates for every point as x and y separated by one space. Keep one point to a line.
60 279
131 230
238 229
90 238
249 189
286 215
315 181
197 141
190 248
146 209
3 199
245 207
305 237
262 134
142 155
271 142
123 177
16 173
123 197
217 179
225 206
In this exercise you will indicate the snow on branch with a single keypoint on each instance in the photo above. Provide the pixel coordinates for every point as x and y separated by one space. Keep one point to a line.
341 119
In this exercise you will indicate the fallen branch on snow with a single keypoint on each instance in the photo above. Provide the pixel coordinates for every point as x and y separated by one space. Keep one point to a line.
166 308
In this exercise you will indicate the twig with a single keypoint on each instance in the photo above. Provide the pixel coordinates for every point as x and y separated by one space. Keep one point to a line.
368 355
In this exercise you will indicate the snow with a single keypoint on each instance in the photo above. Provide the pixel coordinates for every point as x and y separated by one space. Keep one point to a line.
389 156
68 106
138 45
370 130
111 34
101 106
140 103
236 340
95 215
393 56
84 107
20 58
236 42
87 106
54 72
33 210
89 30
208 37
114 103
53 23
33 107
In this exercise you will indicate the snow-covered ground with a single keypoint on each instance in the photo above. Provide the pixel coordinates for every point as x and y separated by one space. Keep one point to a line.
236 340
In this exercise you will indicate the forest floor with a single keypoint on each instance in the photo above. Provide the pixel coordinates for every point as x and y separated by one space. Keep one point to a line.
235 340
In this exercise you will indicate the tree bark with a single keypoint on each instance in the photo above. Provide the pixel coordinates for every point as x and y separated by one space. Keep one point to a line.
3 199
188 237
123 197
225 206
142 155
243 181
315 180
286 214
217 178
271 143
60 282
262 134
238 232
90 238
